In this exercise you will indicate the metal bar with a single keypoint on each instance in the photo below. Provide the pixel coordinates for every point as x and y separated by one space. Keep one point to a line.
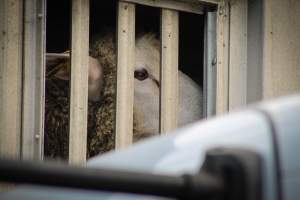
169 70
11 18
192 6
210 64
255 51
222 58
238 54
79 82
125 74
58 55
34 80
216 2
196 186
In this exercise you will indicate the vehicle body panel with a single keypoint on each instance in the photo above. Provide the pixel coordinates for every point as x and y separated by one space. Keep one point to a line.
271 130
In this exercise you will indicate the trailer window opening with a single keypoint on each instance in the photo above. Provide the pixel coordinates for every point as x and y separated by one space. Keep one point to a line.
104 46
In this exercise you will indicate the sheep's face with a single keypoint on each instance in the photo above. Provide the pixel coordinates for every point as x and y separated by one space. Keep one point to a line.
147 90
146 86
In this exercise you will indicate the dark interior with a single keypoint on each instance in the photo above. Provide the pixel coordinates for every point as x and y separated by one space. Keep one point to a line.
58 26
103 16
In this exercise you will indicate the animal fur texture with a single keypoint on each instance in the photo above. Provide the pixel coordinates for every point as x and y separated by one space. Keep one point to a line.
100 113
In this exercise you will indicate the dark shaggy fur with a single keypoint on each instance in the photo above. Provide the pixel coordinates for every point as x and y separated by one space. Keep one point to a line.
100 114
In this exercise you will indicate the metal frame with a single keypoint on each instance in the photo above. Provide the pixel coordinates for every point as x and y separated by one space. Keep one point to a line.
255 51
11 30
186 6
169 70
210 65
169 64
231 55
33 79
222 93
238 54
125 74
79 81
231 77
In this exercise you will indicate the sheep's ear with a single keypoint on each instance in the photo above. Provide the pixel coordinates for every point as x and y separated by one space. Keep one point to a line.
63 71
95 69
95 79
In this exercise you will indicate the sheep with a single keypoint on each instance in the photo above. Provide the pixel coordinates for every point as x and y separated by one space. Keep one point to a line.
147 89
102 78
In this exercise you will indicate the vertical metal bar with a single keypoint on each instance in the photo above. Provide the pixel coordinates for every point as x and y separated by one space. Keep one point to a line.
210 64
79 82
255 51
125 74
238 54
34 80
222 58
11 18
169 70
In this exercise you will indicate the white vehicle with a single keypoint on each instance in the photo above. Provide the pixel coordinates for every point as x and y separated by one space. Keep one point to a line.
251 154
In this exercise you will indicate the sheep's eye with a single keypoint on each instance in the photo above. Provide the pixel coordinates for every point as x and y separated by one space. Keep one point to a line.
141 74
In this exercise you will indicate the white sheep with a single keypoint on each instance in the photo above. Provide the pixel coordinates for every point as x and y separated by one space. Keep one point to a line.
147 87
